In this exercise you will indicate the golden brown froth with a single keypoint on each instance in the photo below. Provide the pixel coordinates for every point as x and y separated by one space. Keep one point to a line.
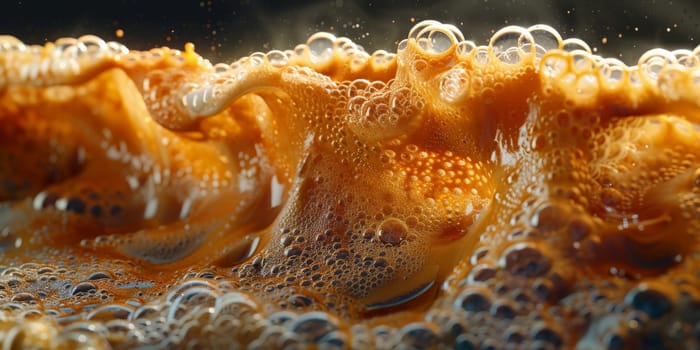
524 193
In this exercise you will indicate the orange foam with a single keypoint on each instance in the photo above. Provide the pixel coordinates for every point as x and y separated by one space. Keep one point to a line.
523 192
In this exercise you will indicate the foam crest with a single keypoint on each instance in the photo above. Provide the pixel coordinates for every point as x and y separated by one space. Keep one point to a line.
69 58
57 62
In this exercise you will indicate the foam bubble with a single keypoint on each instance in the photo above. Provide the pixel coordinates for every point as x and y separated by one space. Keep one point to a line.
9 43
653 62
545 39
392 231
437 39
575 44
508 44
454 84
321 46
277 58
465 48
525 259
613 73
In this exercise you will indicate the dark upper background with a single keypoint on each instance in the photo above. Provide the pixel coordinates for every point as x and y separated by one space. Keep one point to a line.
225 30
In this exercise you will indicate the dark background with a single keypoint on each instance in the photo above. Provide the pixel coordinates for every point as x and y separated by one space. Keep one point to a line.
225 30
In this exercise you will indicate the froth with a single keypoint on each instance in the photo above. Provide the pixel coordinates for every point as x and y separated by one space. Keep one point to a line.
526 192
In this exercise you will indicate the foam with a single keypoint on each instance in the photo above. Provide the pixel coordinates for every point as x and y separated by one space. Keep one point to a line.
526 192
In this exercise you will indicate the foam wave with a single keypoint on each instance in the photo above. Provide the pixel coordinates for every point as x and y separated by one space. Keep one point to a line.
521 193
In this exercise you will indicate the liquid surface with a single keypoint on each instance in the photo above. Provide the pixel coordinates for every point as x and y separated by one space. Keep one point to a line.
522 194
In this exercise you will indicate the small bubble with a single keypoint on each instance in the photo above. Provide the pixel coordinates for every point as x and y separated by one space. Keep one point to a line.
299 300
652 301
23 298
502 310
418 336
549 217
320 47
99 275
76 205
546 334
525 260
392 231
473 301
292 251
482 273
82 288
314 325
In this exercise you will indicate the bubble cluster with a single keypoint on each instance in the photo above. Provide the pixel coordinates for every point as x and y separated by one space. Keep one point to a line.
525 193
